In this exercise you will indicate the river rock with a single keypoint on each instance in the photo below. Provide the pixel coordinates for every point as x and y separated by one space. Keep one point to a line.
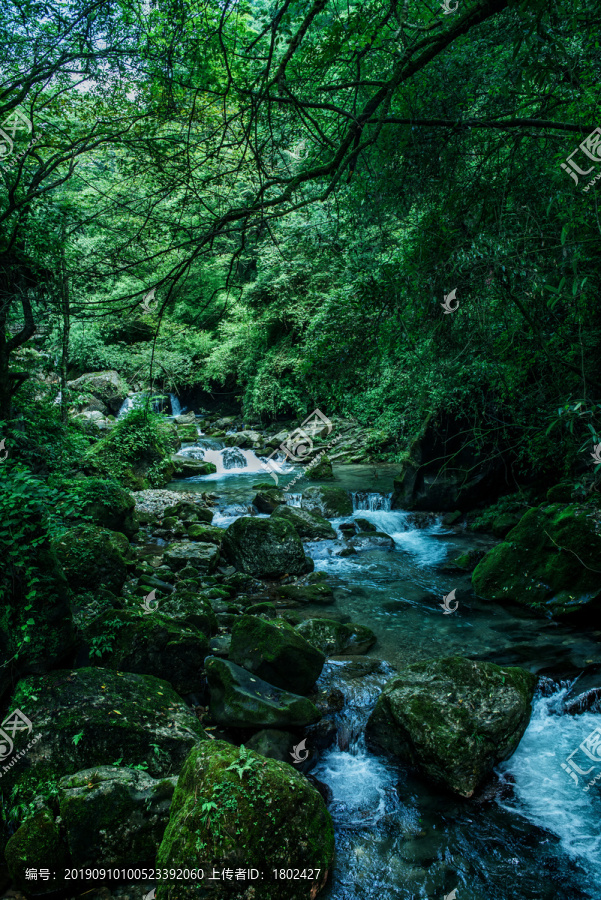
365 525
318 594
37 843
190 513
107 386
320 470
308 525
203 557
255 813
265 548
277 653
273 743
239 699
454 718
550 562
206 534
189 609
372 540
113 715
329 501
151 644
93 557
266 500
334 638
185 467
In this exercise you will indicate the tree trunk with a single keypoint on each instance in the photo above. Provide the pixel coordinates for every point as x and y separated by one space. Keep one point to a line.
66 313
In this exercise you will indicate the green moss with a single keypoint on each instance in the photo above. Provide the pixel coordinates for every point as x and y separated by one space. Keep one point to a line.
37 844
92 557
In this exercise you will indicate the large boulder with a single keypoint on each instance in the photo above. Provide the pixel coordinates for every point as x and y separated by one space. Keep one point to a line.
317 593
235 809
266 500
453 718
328 501
277 653
202 556
105 502
241 700
108 814
150 644
308 525
93 557
186 467
265 548
550 562
187 608
108 387
93 717
334 638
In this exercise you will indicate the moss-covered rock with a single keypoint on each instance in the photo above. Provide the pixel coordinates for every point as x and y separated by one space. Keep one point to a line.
265 548
365 525
203 557
114 816
255 813
37 844
268 500
318 593
241 700
277 653
112 715
503 523
453 718
93 557
550 562
372 540
206 534
185 467
136 452
273 743
190 513
333 638
308 525
106 386
187 608
150 645
321 470
329 501
105 502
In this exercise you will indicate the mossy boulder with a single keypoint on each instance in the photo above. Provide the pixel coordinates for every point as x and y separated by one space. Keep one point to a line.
273 743
187 608
277 653
241 700
550 562
328 501
93 557
308 525
504 523
37 844
318 593
453 718
186 467
206 534
265 548
114 815
114 716
334 638
262 814
107 386
203 557
321 470
268 499
106 502
372 540
190 513
151 644
136 452
365 525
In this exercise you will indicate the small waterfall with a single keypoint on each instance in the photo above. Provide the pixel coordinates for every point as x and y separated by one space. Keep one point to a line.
228 460
374 502
134 401
294 499
176 408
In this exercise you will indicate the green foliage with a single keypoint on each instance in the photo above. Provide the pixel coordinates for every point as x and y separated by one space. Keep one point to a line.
137 450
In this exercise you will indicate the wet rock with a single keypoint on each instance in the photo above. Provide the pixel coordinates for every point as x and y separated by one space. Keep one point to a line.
321 470
190 513
265 548
348 529
277 653
451 518
151 645
37 844
331 502
273 744
503 524
268 500
372 540
550 562
365 525
91 557
333 638
114 715
207 534
185 467
220 645
262 814
189 608
242 700
453 718
203 557
308 525
318 593
467 561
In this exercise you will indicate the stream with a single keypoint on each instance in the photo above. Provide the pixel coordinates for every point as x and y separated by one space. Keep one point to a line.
535 834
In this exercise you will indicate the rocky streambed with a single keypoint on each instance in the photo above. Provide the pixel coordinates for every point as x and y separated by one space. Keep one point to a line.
241 656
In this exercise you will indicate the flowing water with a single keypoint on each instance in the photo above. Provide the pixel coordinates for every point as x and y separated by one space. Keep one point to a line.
535 836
